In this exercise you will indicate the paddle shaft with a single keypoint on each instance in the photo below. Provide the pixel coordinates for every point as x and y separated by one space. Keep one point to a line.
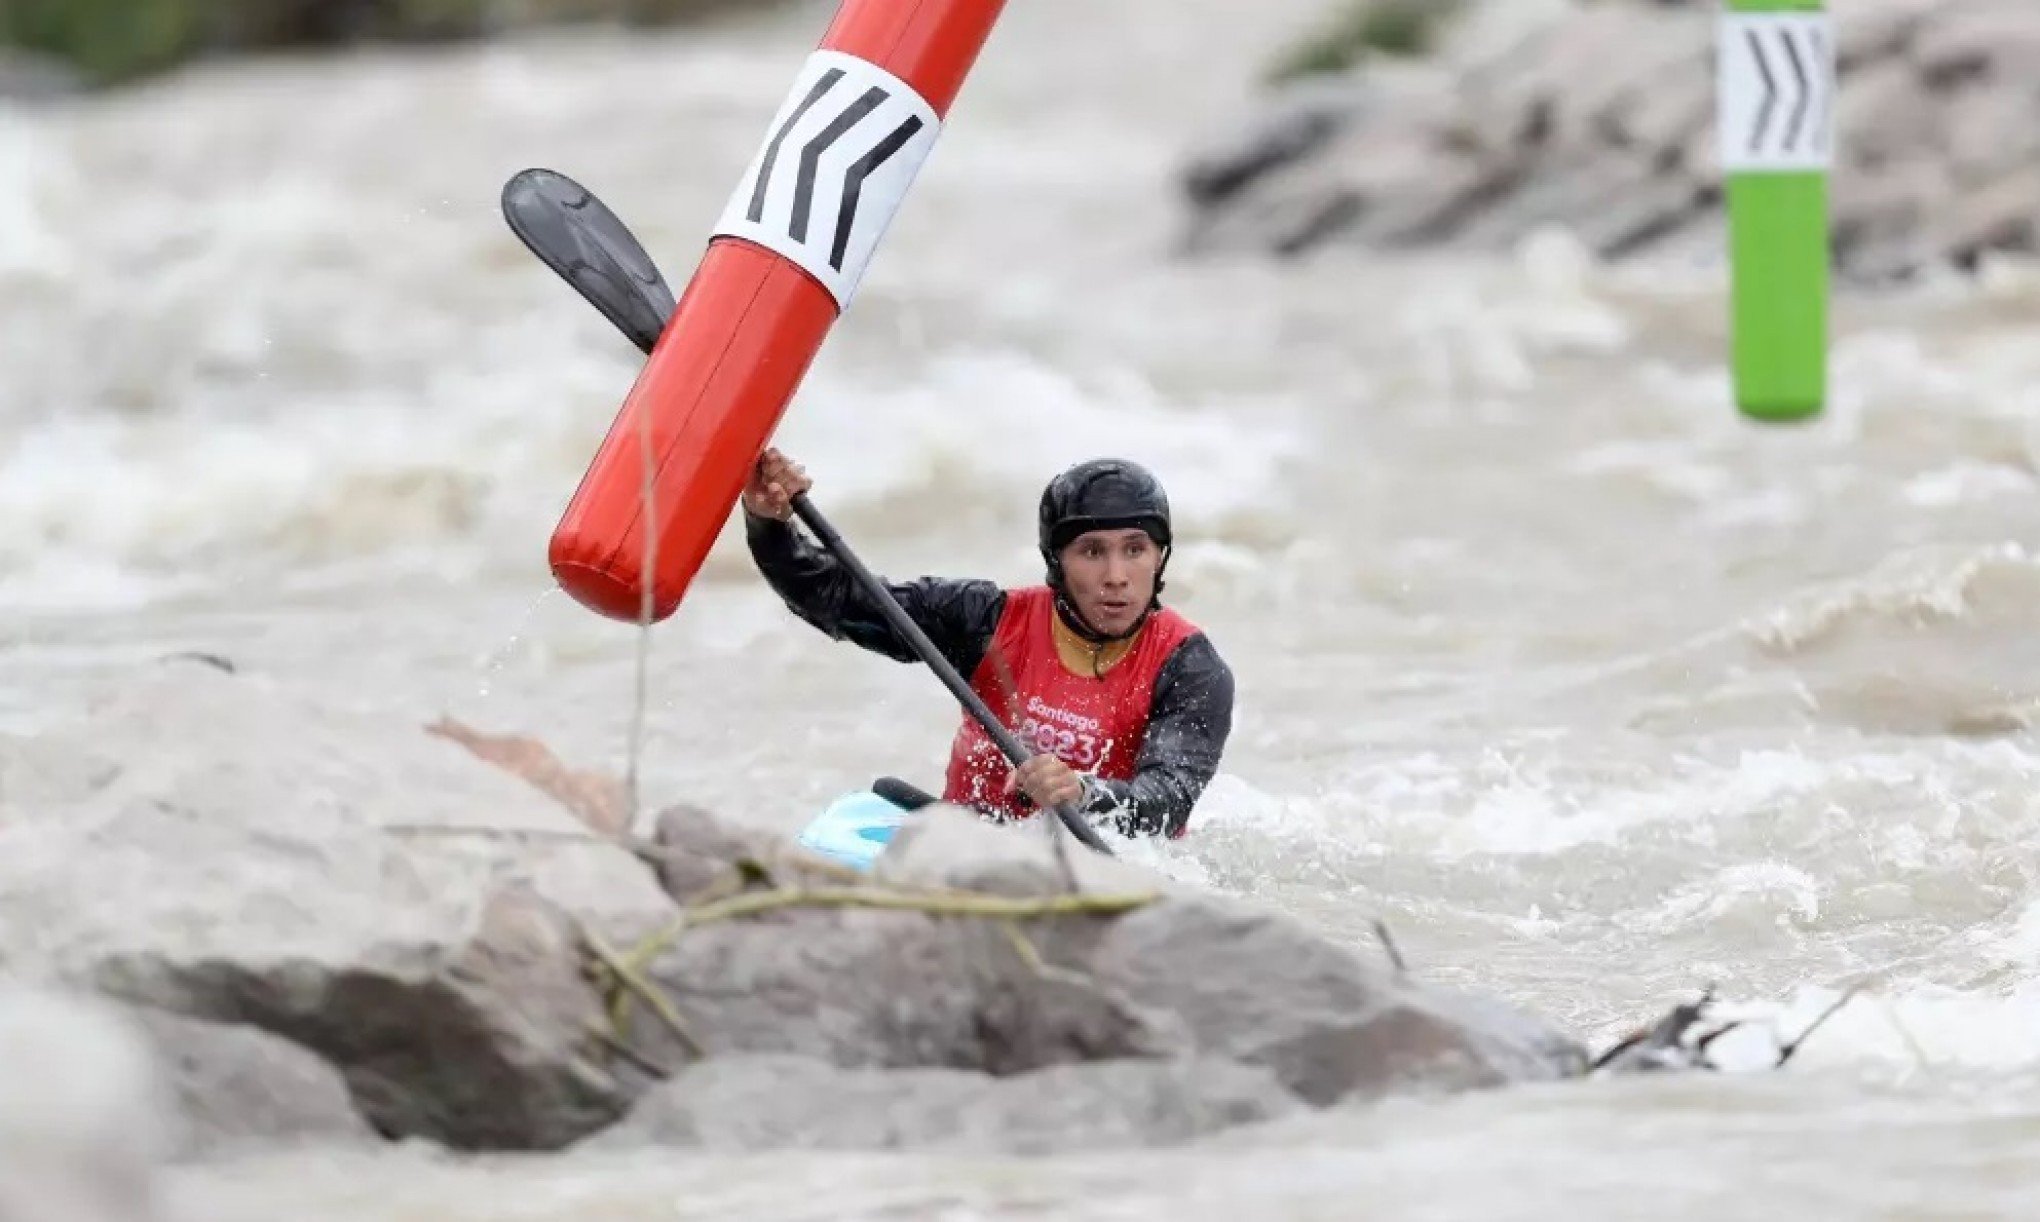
903 624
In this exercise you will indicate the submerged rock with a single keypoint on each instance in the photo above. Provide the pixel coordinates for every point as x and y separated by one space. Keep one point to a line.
770 1102
1262 989
233 1087
1245 982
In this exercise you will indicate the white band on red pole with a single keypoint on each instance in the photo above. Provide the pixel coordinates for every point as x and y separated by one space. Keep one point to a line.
836 163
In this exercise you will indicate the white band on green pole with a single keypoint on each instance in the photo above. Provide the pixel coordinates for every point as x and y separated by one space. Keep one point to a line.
1776 116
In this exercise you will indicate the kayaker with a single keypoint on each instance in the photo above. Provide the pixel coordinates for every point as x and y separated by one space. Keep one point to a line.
1127 702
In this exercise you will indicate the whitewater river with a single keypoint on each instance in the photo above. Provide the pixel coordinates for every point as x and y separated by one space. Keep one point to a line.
1592 691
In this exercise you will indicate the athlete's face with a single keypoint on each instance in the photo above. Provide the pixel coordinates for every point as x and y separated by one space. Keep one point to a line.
1111 576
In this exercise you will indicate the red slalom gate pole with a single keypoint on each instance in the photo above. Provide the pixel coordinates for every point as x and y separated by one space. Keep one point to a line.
782 265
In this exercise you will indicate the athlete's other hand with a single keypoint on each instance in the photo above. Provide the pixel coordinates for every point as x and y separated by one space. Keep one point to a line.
1047 780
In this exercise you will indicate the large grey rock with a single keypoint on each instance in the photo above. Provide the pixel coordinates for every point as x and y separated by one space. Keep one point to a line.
771 1102
216 846
1601 118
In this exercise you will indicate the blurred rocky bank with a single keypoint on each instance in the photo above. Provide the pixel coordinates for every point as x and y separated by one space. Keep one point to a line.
1406 124
1398 124
54 47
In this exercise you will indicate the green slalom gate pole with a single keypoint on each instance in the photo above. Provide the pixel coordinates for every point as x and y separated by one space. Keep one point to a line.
1776 82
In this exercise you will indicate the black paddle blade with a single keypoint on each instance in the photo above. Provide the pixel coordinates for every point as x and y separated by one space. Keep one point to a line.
577 236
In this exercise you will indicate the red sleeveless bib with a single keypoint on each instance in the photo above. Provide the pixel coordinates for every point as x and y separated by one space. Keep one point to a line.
1095 725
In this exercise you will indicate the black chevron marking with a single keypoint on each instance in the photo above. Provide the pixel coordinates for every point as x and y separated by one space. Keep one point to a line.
822 87
853 183
1798 120
1826 90
811 156
1770 89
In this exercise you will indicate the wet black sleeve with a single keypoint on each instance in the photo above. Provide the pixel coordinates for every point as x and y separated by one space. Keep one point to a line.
1187 728
958 616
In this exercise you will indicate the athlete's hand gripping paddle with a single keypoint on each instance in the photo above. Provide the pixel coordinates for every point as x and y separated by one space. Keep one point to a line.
572 232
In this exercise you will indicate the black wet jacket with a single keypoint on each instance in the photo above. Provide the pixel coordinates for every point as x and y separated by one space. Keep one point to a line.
1188 723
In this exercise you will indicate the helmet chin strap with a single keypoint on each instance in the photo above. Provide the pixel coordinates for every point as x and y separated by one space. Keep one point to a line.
1066 607
1075 621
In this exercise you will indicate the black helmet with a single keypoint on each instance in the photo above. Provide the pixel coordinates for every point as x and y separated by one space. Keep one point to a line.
1101 494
